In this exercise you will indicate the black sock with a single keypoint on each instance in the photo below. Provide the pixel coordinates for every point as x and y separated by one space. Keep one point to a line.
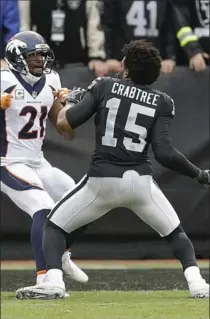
38 222
182 247
72 237
54 245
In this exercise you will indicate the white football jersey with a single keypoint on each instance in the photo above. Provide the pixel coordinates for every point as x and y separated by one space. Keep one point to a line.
23 124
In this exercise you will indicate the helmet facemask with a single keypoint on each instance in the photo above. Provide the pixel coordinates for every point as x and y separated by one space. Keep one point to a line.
32 64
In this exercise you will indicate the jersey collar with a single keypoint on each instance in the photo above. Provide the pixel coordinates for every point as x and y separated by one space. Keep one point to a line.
33 90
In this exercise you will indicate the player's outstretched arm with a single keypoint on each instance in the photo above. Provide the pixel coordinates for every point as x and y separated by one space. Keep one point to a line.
70 117
56 108
62 124
170 157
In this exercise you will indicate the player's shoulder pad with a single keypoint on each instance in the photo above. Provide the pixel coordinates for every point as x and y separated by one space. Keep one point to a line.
53 80
6 74
52 75
167 106
98 82
7 79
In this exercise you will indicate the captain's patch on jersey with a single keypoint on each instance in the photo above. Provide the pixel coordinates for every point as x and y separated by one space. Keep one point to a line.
19 94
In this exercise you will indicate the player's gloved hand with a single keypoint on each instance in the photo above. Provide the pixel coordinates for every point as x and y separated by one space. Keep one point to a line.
76 95
204 177
6 100
62 94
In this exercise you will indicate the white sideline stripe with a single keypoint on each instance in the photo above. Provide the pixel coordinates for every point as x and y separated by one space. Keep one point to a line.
103 265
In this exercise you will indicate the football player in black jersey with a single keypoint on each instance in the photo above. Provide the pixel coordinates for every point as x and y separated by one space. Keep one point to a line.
129 116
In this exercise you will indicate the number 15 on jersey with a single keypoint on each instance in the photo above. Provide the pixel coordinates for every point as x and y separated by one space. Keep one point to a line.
109 140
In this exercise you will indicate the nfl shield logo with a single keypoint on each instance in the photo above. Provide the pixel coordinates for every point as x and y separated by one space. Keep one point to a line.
34 94
202 7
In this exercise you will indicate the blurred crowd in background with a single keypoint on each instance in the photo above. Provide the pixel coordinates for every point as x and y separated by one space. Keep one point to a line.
93 32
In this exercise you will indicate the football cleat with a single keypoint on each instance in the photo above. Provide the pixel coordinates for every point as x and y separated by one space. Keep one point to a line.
71 270
45 291
199 289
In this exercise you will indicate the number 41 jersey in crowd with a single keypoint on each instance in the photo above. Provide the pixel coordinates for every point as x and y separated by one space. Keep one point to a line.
22 125
125 117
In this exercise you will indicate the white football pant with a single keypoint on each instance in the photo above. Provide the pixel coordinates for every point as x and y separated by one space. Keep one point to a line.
33 189
93 197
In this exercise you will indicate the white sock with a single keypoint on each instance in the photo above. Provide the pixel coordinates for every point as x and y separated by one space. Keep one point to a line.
192 274
55 275
40 279
67 254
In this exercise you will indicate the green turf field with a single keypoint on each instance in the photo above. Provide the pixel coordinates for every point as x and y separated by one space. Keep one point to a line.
116 290
109 305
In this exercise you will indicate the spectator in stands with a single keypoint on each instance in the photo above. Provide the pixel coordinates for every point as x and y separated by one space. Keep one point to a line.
191 24
73 30
125 20
9 24
25 21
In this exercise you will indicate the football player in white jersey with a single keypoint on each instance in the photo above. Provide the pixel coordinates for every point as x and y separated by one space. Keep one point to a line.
27 99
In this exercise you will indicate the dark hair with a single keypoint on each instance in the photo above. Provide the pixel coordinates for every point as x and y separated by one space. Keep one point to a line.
142 61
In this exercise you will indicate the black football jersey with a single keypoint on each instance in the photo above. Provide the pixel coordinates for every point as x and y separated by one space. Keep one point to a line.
126 20
128 118
124 120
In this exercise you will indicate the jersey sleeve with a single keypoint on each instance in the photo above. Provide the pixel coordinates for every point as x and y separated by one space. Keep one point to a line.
7 82
79 113
167 107
166 154
97 88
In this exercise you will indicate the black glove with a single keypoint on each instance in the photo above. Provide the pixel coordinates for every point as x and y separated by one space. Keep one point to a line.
204 177
76 95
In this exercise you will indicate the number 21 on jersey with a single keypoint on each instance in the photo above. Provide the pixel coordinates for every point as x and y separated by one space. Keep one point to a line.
26 132
109 140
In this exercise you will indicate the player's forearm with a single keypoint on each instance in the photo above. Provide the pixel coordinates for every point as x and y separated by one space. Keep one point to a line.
176 161
166 154
81 111
62 124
